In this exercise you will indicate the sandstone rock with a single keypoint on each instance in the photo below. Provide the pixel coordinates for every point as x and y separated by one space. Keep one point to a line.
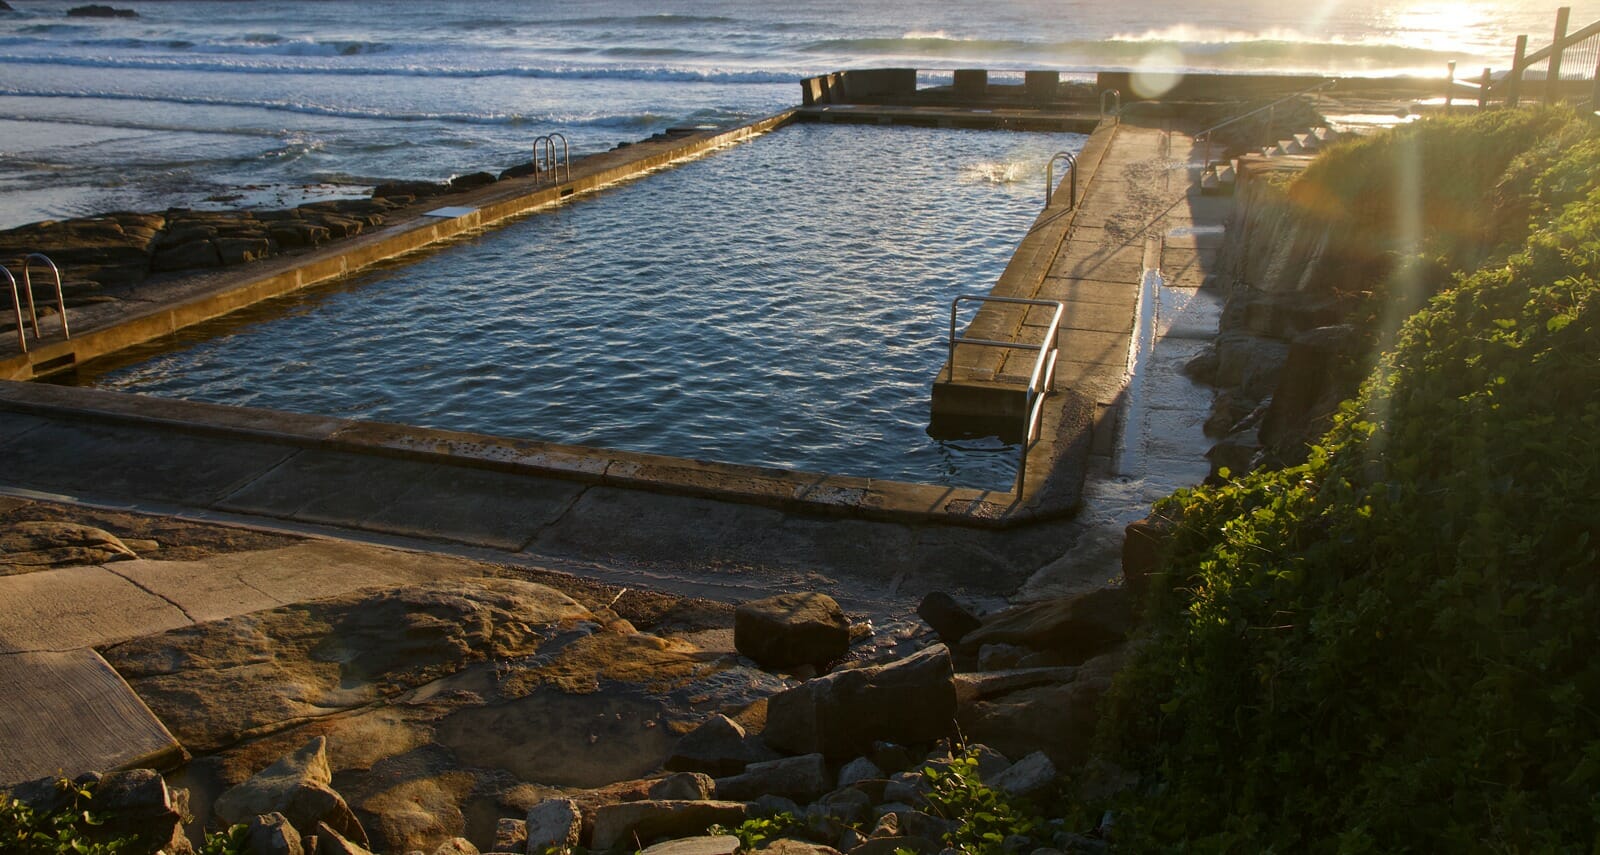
1078 627
1142 542
456 846
1057 718
138 804
800 778
553 822
915 823
974 687
196 254
297 786
891 757
859 769
850 839
990 762
716 747
850 806
1000 657
331 842
419 813
5 7
242 250
1249 363
1237 454
414 189
471 180
27 546
722 844
510 835
1319 372
1028 776
891 845
789 846
272 834
770 805
888 825
684 786
95 10
804 628
625 823
844 713
948 618
905 787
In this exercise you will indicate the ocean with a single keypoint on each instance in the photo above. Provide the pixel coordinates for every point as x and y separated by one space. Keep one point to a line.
271 102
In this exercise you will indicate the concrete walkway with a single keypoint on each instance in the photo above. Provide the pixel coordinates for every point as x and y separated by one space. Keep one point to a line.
64 710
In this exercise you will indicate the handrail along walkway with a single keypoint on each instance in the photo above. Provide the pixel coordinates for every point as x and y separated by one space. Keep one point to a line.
1269 109
544 158
1050 178
1040 383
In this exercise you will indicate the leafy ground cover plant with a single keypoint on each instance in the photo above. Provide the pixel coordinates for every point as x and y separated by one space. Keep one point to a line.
1390 647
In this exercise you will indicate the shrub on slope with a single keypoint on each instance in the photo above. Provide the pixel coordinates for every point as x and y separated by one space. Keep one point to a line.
1391 647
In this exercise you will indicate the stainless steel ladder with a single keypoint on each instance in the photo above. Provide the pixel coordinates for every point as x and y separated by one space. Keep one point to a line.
33 311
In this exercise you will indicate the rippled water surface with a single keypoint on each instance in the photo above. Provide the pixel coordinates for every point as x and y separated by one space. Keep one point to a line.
782 303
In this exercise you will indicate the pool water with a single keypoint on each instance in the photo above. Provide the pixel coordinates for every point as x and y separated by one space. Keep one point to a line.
782 303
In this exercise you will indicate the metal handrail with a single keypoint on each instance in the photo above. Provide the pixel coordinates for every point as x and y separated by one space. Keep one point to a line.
16 304
1050 179
550 164
1040 383
1116 95
27 284
1208 132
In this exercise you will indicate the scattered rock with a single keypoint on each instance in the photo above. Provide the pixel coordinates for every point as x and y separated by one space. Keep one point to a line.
412 189
1057 718
974 687
471 180
510 835
722 844
1000 657
1317 374
844 713
196 254
1142 542
456 846
951 620
331 842
1078 627
272 834
716 747
990 762
6 7
1237 454
684 786
788 846
849 806
891 845
626 823
96 10
891 757
770 805
553 823
915 823
859 769
787 630
1030 775
29 546
801 778
297 786
138 804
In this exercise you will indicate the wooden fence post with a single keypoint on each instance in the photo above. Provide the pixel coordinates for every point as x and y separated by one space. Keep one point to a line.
1514 78
1449 86
1552 76
1483 91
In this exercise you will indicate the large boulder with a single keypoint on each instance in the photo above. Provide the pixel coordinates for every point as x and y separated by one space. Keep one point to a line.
1077 627
272 834
843 714
802 778
716 747
804 628
951 620
553 823
297 786
137 803
96 10
1057 718
644 821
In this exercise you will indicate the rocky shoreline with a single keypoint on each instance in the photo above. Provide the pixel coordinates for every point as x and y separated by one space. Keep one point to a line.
499 714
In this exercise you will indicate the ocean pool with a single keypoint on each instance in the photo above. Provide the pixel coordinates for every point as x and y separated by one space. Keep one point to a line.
778 303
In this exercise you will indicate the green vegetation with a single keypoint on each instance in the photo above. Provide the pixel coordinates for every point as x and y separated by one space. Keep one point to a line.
758 831
984 816
70 830
1391 647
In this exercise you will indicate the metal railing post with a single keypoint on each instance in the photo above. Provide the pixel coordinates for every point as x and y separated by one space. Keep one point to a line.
16 305
1483 91
1050 179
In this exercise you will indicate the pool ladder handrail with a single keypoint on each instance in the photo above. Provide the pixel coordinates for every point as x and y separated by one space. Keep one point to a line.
550 163
1040 383
33 311
1116 99
1050 179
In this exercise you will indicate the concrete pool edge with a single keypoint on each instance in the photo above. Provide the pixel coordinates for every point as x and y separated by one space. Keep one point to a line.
813 494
